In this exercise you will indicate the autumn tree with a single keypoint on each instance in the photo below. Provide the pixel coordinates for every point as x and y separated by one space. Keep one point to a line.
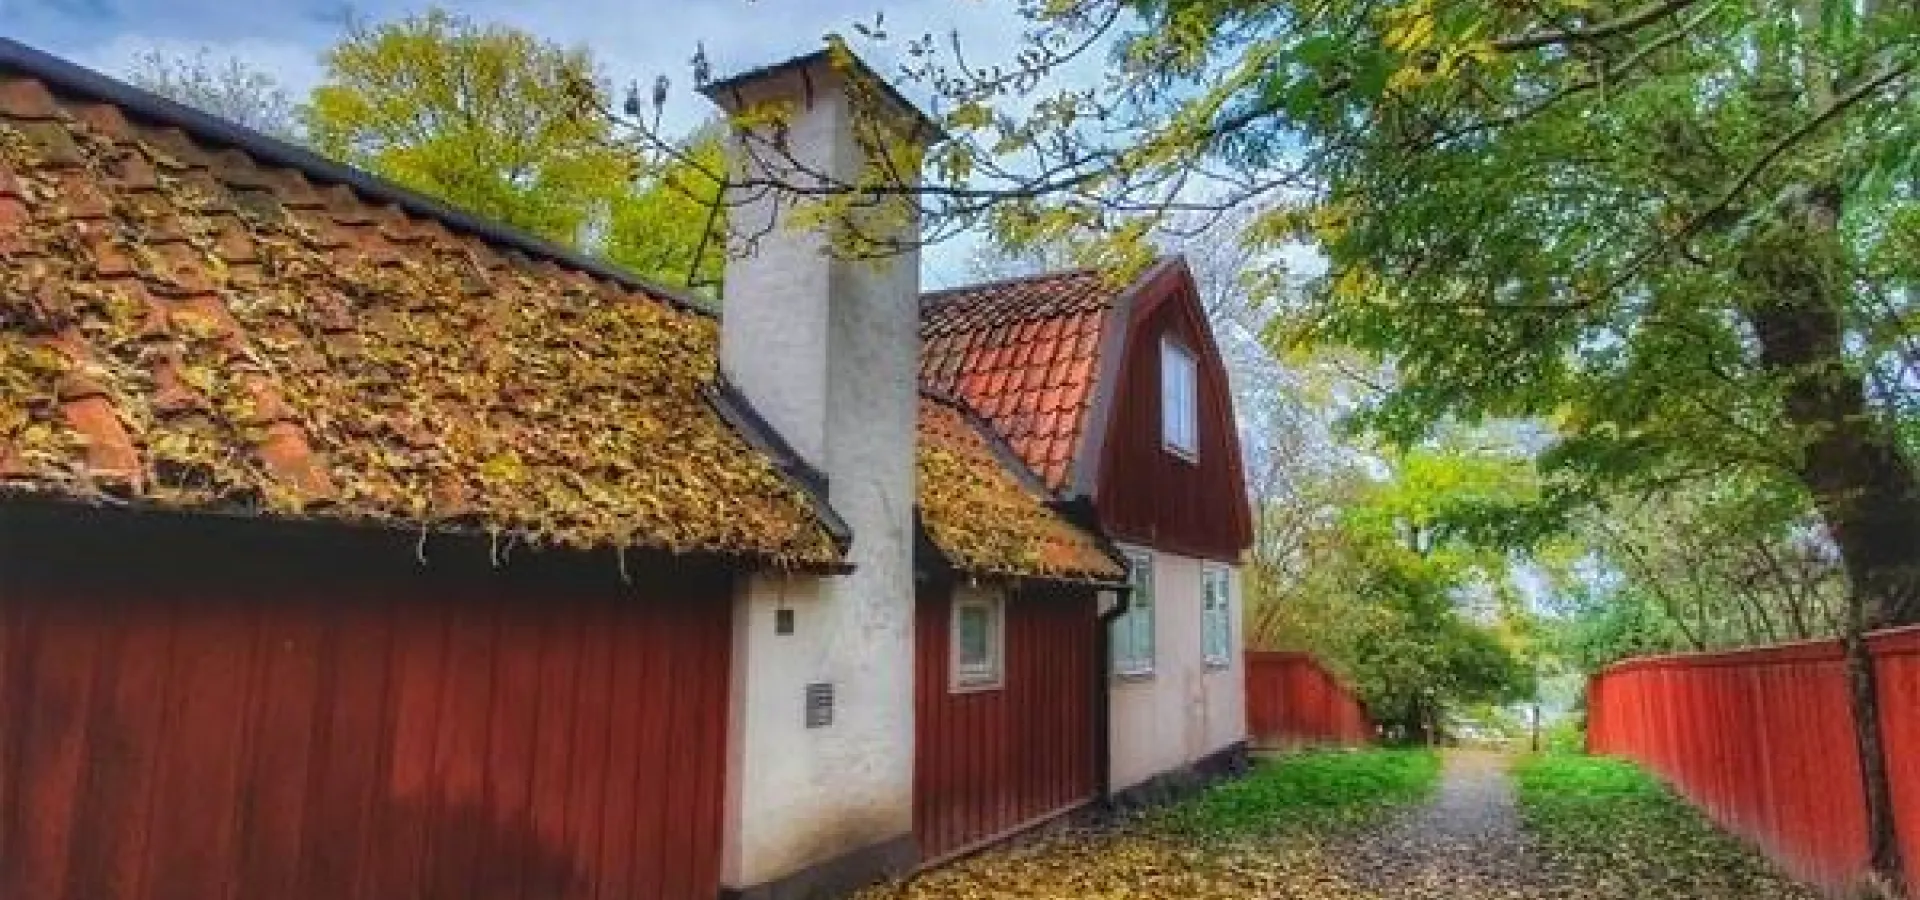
1391 582
1731 563
1682 231
229 88
670 225
491 119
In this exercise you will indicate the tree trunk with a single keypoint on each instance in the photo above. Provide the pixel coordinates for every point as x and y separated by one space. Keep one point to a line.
1863 694
1865 490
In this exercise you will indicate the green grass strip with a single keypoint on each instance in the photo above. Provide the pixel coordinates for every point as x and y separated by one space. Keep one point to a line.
1318 789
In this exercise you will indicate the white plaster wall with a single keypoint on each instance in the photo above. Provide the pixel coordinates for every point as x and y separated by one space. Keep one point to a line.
828 351
1186 709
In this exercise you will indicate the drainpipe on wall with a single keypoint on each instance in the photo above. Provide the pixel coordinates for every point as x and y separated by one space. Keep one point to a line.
1103 693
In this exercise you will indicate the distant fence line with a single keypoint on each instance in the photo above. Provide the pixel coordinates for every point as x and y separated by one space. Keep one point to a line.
1762 740
1293 701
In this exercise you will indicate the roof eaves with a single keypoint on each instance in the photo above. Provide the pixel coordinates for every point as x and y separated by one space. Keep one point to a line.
1080 511
139 104
27 497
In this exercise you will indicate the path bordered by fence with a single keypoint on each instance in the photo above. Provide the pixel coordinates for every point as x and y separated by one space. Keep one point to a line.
1762 740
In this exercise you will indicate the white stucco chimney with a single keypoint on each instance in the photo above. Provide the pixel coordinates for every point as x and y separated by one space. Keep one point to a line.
826 348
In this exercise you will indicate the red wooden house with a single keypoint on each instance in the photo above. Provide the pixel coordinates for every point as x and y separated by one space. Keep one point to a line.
1115 394
351 546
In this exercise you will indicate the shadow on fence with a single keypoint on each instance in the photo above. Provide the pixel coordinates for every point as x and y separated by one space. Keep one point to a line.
1293 701
1762 740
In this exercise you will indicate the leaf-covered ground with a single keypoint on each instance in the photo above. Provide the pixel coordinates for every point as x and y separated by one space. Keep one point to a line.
1625 835
1383 825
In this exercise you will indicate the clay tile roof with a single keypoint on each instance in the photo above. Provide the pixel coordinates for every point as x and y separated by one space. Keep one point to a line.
988 516
1014 349
193 317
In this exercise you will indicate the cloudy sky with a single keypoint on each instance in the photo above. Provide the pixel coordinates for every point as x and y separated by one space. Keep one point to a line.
634 40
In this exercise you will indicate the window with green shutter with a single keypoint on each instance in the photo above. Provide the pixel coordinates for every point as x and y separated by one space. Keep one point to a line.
1132 636
1216 615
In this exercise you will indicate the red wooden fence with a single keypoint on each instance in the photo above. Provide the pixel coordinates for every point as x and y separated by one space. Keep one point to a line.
178 724
988 761
1762 740
1293 701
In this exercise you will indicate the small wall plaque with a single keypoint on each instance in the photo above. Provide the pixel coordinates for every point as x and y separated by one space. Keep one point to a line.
783 621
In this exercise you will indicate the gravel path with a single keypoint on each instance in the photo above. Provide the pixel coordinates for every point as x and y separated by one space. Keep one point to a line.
1467 842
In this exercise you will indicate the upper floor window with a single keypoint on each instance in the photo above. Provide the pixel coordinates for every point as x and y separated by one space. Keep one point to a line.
1179 404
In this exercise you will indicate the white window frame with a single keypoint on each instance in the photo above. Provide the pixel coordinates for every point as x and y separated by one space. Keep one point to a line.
1131 641
1179 399
1216 615
992 675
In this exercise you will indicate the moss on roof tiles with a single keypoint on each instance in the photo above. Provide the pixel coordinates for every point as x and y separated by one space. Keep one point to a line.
300 353
988 521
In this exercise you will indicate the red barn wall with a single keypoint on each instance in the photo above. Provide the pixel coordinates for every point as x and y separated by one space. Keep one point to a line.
990 761
1147 495
225 716
1762 740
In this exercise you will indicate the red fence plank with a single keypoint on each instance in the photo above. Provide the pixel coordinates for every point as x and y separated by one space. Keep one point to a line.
1293 701
1762 740
992 760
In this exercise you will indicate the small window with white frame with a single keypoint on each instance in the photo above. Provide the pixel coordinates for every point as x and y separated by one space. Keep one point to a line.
979 640
1179 400
1132 634
1216 615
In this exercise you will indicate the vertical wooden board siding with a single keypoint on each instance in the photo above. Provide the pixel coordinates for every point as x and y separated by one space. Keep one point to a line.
650 815
113 857
50 768
1293 701
1145 493
1899 669
1762 740
460 750
512 731
228 734
589 741
990 760
419 667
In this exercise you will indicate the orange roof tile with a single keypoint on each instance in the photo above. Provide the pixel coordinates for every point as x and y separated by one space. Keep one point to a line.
1016 350
987 515
188 325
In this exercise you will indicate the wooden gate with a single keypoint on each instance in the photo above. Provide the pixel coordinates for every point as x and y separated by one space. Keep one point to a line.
208 719
988 762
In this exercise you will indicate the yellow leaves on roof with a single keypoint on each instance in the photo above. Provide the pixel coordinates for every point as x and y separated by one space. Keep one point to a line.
985 520
309 354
